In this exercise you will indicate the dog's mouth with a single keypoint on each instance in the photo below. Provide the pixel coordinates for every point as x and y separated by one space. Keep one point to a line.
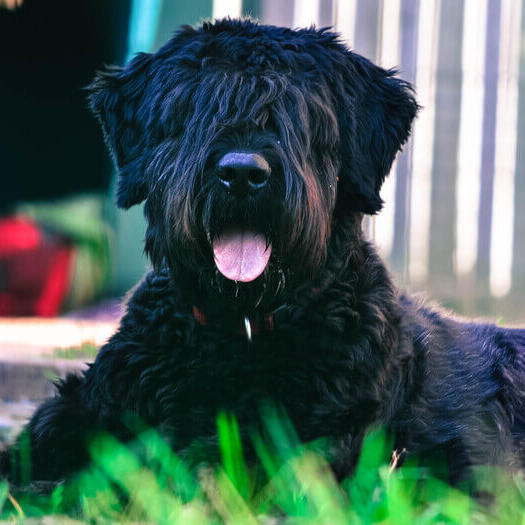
241 255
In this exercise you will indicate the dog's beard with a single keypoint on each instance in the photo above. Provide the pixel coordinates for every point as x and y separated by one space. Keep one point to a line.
228 284
248 272
264 293
239 260
243 248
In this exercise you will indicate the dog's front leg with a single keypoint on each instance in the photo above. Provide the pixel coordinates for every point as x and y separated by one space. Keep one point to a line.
345 453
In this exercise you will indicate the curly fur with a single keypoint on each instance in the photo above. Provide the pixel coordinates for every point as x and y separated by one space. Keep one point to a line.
348 351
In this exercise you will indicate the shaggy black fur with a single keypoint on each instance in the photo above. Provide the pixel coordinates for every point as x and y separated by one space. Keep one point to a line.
347 351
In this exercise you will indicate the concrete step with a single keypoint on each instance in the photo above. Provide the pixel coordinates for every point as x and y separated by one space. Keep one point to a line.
24 384
32 379
31 359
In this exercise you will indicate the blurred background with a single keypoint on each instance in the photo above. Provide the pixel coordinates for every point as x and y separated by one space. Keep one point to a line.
454 219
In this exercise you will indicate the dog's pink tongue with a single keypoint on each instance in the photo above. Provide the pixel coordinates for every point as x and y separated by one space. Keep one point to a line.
241 255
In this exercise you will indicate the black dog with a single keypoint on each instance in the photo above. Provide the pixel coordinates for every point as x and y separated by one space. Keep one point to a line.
257 150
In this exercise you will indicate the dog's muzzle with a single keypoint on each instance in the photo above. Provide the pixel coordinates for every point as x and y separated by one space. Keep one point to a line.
242 254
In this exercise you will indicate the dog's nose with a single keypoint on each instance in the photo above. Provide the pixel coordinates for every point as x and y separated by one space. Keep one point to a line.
242 172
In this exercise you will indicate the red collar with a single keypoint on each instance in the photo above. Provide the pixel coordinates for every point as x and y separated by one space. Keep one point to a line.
248 326
258 323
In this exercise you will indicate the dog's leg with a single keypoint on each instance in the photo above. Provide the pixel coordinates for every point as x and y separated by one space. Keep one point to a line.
347 451
54 443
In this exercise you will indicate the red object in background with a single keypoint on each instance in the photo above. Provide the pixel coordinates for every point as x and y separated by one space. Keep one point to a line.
35 268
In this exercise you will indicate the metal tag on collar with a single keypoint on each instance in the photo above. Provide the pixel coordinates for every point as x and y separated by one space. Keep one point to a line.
248 328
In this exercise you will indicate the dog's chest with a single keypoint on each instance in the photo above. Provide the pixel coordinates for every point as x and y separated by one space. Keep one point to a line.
184 386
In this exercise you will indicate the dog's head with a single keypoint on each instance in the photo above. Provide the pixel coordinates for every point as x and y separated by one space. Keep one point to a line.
245 141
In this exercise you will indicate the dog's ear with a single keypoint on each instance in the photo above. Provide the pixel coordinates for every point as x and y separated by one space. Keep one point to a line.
116 97
375 116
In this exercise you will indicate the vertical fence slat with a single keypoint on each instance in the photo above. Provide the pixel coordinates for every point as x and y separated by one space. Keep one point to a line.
470 136
505 151
345 12
366 28
423 138
443 213
488 145
388 56
326 13
306 13
408 41
469 150
277 12
518 269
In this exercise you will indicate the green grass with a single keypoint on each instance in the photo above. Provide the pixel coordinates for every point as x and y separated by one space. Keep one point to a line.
147 482
85 351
